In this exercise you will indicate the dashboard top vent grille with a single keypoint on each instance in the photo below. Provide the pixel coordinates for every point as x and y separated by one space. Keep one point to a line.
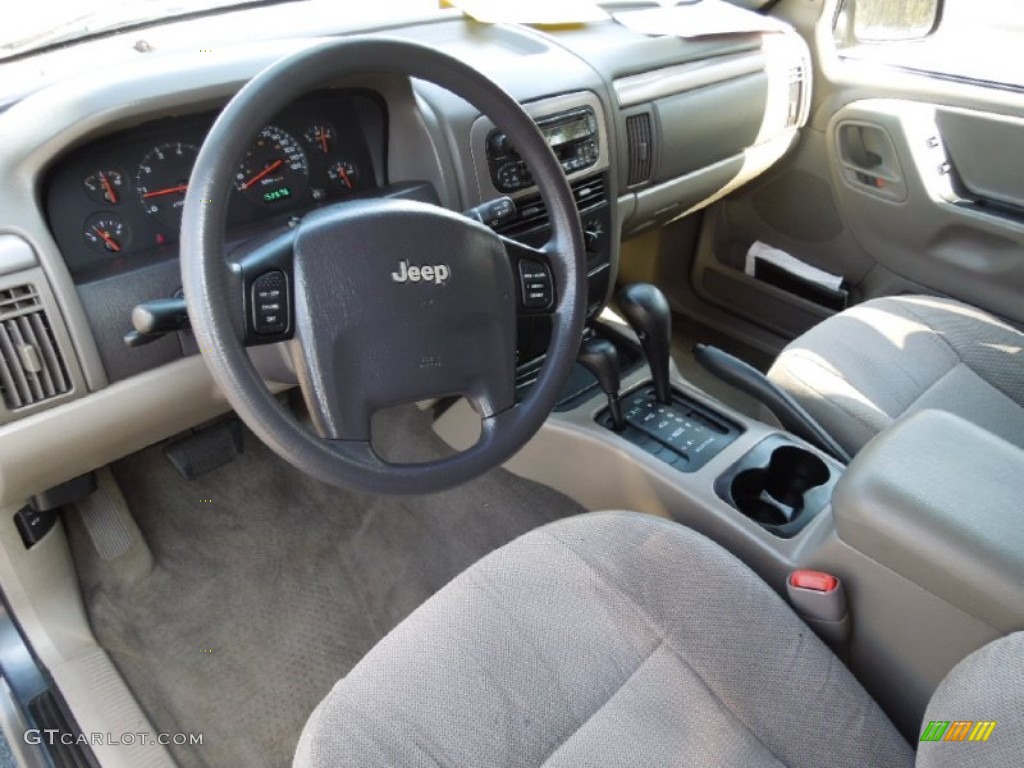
532 214
31 367
641 148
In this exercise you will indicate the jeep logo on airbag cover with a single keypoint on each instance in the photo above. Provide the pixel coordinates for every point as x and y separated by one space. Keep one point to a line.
427 273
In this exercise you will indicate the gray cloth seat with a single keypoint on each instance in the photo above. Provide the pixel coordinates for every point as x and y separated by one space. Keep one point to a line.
859 371
986 686
608 639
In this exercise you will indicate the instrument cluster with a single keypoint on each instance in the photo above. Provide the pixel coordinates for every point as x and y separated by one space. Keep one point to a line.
118 202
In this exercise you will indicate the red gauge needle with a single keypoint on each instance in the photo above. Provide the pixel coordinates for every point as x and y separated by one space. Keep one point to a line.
323 140
111 194
112 244
344 177
269 169
167 191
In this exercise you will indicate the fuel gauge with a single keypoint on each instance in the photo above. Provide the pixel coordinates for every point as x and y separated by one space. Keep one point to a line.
106 233
321 137
343 173
105 186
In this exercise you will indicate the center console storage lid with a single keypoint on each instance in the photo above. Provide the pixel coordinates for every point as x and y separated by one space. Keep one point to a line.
941 502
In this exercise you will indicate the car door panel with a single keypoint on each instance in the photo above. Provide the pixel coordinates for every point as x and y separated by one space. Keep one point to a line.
996 176
901 182
906 210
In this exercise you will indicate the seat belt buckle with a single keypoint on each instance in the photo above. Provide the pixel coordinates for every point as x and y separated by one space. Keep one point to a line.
820 600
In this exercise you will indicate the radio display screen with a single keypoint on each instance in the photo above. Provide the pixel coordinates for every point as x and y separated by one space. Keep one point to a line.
566 132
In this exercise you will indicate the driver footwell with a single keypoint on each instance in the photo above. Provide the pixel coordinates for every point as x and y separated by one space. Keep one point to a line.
266 586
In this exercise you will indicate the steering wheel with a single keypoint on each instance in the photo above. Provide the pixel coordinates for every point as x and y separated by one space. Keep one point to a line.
381 301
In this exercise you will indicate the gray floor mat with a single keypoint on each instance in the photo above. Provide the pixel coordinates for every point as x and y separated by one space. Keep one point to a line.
269 586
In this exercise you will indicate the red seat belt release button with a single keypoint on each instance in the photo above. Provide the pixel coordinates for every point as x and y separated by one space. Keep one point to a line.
816 581
819 599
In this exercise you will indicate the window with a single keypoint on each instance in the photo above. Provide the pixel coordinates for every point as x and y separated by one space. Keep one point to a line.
976 40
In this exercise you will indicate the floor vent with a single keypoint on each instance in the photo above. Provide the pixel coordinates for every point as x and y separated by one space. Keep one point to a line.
32 369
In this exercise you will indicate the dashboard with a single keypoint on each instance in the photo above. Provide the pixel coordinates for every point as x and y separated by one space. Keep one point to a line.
100 137
116 204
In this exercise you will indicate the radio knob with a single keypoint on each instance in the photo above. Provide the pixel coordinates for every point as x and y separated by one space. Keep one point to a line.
592 235
500 144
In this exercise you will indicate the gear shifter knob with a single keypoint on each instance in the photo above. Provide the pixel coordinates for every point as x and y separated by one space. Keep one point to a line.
647 311
600 357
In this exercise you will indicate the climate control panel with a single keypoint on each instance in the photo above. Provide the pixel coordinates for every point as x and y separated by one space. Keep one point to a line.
572 136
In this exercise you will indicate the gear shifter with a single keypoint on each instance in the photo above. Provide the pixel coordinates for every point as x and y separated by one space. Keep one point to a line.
647 311
600 357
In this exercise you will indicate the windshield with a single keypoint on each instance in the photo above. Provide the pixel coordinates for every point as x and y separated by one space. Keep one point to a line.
43 24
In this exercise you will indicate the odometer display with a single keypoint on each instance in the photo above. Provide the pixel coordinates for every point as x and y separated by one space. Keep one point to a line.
274 195
275 168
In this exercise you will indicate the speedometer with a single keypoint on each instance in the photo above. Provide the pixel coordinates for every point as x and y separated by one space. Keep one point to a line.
274 169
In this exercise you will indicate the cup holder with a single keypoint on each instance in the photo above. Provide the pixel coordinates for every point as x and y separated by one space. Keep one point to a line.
779 486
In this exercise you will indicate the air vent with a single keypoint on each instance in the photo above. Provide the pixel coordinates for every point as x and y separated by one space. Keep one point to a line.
797 77
641 148
531 213
31 367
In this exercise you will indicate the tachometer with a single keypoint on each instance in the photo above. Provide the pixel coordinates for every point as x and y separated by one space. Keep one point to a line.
274 169
162 180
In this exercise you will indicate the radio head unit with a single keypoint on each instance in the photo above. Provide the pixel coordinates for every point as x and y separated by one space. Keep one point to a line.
572 136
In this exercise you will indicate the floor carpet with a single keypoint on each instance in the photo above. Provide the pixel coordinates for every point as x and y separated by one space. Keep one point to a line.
268 586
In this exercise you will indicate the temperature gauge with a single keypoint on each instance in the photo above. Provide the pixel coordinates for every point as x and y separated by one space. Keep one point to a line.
105 186
106 233
343 174
320 137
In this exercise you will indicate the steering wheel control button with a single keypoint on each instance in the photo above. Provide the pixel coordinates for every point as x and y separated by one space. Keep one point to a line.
535 280
270 303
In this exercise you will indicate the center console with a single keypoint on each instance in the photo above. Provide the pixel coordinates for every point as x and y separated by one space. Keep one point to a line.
930 569
576 129
938 500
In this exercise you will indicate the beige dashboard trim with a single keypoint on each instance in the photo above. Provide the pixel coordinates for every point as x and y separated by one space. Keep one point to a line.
15 255
46 449
659 83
